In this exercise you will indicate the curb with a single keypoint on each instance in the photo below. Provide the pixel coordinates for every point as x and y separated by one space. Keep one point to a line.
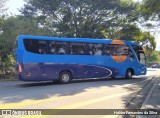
146 100
149 95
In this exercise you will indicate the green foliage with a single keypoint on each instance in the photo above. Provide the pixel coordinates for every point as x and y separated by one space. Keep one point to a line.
133 33
146 40
7 65
130 33
150 8
12 27
81 18
153 57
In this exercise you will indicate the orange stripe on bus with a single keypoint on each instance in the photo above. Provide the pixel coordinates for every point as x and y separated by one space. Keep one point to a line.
119 58
118 42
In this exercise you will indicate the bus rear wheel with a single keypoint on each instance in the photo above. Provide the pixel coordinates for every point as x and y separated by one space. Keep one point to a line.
129 74
65 77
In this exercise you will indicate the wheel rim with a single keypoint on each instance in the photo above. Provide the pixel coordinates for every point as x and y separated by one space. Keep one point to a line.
65 77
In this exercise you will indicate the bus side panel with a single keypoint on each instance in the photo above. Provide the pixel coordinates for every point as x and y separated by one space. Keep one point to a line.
122 67
36 67
51 71
92 71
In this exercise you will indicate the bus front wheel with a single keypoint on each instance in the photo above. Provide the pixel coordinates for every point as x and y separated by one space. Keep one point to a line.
65 77
129 74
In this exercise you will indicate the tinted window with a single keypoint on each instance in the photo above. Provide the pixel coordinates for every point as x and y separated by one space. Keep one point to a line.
42 47
95 49
32 45
78 48
116 50
46 47
58 47
142 58
62 47
139 51
52 47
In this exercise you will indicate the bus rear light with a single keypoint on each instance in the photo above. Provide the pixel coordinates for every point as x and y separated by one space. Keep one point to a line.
20 67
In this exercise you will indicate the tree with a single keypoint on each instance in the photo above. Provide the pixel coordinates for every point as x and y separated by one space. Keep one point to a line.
154 57
150 8
12 27
130 33
133 33
146 40
81 18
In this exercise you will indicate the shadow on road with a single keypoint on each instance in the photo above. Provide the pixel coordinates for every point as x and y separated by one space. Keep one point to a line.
135 102
47 83
19 91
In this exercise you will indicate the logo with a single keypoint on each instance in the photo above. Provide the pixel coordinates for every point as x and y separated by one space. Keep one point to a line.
6 112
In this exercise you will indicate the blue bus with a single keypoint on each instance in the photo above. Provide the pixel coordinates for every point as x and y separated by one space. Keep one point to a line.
42 58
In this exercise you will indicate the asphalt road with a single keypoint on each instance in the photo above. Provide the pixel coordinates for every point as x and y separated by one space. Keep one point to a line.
81 94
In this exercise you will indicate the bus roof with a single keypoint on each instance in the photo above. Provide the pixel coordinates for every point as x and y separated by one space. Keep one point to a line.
91 40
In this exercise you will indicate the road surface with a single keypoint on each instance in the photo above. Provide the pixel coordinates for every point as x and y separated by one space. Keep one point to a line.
81 94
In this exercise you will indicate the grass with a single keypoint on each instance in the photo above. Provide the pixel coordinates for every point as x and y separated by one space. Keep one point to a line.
9 77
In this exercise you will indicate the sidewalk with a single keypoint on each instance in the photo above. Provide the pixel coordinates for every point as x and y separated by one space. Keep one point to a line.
152 101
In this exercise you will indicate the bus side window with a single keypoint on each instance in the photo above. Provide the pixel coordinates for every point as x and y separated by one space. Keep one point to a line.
41 50
53 50
52 47
61 50
78 49
90 49
107 50
31 45
73 48
116 50
98 51
43 47
124 50
62 47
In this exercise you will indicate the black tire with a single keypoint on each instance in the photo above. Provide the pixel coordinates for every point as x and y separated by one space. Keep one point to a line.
129 74
65 77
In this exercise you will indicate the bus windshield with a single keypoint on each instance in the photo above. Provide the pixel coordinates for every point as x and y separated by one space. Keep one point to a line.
140 54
